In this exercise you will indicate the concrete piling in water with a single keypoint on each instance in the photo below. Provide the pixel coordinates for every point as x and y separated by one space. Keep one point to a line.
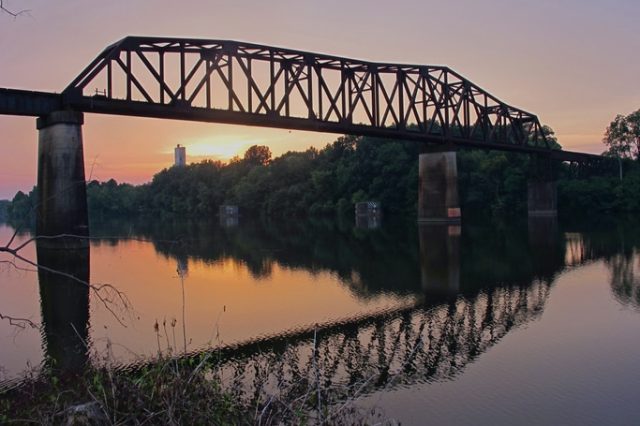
368 214
438 188
62 209
542 198
542 194
62 193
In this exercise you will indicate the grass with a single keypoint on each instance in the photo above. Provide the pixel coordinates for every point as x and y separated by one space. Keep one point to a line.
164 393
177 391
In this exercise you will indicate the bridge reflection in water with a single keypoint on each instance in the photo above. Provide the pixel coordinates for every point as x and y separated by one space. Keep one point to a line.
457 317
471 287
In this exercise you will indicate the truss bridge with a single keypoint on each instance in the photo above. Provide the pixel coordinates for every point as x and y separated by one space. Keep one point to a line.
222 81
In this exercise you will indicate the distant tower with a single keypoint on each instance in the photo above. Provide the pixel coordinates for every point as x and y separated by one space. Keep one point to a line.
180 154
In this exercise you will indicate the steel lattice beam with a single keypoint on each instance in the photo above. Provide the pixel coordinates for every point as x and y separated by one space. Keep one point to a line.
243 83
249 84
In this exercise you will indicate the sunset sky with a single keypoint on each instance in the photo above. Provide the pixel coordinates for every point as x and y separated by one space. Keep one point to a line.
574 63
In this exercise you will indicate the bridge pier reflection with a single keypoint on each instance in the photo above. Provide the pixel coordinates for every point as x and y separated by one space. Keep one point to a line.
440 259
438 187
546 246
64 302
370 221
62 194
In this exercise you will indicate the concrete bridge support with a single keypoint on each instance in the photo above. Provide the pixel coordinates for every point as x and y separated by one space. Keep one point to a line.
542 192
438 187
62 193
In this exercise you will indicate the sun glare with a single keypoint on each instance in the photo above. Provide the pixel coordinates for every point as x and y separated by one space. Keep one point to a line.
219 147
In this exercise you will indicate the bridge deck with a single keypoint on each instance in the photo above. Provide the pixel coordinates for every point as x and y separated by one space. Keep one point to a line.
36 104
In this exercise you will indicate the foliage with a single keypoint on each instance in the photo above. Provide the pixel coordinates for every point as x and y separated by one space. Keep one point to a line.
331 180
111 197
493 182
550 135
4 205
22 208
623 136
163 394
186 389
258 155
601 192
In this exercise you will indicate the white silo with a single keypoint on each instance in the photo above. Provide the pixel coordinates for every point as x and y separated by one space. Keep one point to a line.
180 155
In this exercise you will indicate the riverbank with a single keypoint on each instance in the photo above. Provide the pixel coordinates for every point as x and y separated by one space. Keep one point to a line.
170 390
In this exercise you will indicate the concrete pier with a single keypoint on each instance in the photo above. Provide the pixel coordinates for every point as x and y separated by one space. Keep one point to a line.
438 188
542 198
542 194
62 193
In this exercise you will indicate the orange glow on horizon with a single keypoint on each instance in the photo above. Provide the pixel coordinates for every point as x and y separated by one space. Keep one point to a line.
219 146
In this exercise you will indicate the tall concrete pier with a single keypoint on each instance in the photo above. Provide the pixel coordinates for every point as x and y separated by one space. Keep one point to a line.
438 187
542 194
62 193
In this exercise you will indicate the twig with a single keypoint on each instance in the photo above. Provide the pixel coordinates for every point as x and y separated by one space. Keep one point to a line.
14 14
16 267
96 288
18 322
264 410
317 371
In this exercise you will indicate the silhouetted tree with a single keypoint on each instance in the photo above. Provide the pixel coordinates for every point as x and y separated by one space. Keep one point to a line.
258 155
351 169
623 136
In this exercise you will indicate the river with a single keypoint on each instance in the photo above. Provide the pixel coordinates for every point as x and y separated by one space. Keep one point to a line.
485 323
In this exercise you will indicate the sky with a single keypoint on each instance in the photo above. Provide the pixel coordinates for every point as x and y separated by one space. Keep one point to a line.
574 63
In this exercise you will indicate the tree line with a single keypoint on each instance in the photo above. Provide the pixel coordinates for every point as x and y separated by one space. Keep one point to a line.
331 180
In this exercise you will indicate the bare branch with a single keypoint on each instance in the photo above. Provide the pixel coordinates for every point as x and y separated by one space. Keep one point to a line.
12 13
16 267
19 322
106 293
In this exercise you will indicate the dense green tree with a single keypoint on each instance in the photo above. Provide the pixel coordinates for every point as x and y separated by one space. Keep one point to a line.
259 155
4 206
22 208
351 169
623 136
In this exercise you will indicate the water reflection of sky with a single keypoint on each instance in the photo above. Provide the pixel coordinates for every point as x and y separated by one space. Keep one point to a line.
508 319
225 301
576 364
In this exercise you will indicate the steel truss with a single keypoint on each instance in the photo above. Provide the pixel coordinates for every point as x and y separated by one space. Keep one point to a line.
243 83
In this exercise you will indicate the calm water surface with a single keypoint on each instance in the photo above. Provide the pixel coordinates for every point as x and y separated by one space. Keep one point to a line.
535 323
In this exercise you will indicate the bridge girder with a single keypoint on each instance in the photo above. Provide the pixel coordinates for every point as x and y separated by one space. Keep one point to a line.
234 82
244 83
